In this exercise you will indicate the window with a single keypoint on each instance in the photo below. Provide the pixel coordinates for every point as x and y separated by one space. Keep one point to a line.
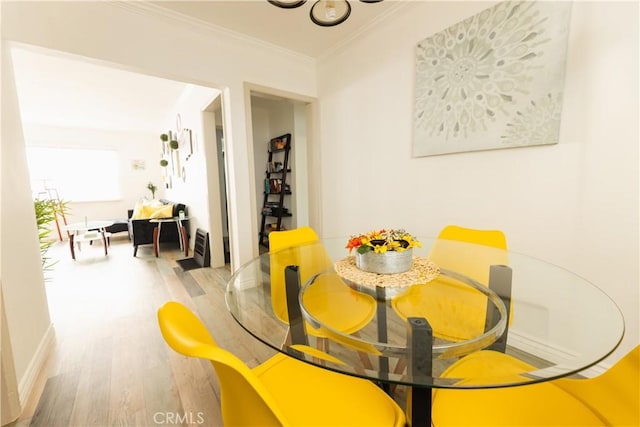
78 174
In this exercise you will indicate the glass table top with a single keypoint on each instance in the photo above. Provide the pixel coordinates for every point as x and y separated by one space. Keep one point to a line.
553 320
88 225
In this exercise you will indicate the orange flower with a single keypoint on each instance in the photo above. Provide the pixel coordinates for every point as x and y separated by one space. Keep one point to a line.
354 243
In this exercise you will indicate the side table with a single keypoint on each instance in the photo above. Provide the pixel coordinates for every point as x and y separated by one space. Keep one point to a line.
182 233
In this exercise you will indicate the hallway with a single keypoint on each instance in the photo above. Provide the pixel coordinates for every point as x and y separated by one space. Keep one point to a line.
109 364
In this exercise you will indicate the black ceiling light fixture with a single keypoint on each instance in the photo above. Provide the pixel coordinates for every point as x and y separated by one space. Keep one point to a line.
325 13
328 13
287 4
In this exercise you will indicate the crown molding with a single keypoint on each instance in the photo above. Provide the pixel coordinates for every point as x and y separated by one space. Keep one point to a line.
199 25
397 6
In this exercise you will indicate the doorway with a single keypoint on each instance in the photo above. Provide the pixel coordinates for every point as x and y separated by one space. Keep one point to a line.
216 167
274 115
224 212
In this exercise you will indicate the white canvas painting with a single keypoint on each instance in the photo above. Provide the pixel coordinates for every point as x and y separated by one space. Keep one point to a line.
492 81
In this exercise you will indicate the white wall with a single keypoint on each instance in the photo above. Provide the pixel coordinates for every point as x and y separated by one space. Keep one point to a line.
301 196
192 189
261 135
574 204
22 280
129 146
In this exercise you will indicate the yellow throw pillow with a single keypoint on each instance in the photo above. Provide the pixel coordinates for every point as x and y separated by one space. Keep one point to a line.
165 211
137 211
147 211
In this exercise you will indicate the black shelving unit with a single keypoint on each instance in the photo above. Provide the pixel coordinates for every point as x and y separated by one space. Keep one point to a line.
276 187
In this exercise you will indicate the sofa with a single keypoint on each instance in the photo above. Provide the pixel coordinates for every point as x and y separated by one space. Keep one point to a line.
140 225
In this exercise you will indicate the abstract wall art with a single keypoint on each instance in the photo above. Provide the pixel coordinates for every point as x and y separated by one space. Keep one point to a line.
494 80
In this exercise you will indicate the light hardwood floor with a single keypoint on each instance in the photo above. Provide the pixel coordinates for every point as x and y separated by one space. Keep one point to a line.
110 365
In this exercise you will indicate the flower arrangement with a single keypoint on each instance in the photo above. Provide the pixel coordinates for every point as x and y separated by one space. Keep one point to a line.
382 241
151 187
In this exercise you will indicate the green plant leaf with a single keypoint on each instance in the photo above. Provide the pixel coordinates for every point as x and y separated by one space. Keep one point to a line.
364 249
46 211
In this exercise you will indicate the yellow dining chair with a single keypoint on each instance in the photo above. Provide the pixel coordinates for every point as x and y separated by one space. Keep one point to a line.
282 391
455 312
610 399
330 301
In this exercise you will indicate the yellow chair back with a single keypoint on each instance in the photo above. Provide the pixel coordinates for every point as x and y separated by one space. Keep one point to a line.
330 300
244 399
455 311
611 399
469 260
281 391
287 248
614 395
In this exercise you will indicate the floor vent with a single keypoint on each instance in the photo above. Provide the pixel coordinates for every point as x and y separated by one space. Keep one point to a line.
201 250
201 253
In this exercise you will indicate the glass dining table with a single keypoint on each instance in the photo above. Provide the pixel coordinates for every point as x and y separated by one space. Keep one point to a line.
312 303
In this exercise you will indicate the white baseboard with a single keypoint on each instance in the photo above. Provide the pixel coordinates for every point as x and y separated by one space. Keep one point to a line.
552 353
37 362
595 370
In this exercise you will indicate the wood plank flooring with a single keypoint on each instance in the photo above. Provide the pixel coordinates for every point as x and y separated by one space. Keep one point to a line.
110 365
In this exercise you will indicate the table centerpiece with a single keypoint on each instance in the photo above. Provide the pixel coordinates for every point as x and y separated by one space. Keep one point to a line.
384 251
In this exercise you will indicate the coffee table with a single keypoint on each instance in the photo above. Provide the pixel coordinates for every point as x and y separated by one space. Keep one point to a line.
87 231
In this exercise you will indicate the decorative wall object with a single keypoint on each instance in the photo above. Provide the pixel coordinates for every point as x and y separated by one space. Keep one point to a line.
494 80
137 165
175 163
165 157
177 147
186 143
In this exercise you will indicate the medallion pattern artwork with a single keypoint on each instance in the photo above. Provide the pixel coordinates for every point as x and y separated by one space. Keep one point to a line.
494 80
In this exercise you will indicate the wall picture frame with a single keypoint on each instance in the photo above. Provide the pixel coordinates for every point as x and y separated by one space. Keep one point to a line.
138 165
494 80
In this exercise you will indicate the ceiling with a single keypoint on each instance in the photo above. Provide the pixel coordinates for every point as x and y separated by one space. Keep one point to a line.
62 91
288 28
56 91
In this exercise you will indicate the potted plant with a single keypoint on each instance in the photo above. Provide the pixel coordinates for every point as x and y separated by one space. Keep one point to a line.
46 210
384 251
151 187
